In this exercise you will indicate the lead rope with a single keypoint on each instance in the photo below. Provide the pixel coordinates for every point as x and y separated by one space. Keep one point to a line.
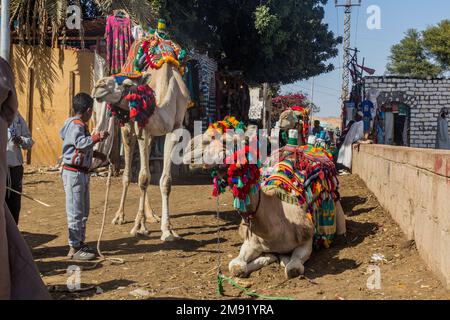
220 290
105 209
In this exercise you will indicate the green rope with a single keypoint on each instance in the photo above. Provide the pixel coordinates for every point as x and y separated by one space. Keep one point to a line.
220 290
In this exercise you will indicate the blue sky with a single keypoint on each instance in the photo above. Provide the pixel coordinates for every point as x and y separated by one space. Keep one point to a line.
396 17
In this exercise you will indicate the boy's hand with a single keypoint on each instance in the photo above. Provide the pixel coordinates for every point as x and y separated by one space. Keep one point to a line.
100 136
103 135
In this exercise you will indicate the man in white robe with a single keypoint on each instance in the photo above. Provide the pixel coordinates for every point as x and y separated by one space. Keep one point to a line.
355 134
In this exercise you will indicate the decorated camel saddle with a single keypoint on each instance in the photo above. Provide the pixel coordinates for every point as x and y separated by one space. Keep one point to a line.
153 51
149 53
305 176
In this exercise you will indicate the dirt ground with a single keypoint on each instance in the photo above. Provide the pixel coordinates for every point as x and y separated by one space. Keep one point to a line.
186 268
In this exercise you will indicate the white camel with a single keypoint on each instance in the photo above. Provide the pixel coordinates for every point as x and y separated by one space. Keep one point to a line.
172 97
279 230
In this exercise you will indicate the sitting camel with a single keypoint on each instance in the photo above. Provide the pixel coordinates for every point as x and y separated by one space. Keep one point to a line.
277 229
172 97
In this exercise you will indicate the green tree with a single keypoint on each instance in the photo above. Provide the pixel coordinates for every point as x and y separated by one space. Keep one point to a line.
410 58
436 40
275 41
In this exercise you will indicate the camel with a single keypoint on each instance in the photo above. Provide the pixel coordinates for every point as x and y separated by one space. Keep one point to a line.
292 119
172 97
279 231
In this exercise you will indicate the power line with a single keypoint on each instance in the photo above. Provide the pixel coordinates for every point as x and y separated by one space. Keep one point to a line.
296 87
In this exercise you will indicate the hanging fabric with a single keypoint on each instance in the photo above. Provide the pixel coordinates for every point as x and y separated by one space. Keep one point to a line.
118 42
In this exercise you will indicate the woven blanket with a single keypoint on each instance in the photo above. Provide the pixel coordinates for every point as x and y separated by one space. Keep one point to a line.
305 176
152 52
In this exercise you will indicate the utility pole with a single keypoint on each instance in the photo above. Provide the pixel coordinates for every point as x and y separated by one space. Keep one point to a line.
5 32
348 5
312 96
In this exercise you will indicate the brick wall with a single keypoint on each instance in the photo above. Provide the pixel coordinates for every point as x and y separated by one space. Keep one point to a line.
425 97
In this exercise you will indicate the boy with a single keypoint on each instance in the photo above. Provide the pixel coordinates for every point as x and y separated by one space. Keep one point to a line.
77 157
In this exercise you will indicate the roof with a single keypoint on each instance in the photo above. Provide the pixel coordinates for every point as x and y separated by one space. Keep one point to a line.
406 77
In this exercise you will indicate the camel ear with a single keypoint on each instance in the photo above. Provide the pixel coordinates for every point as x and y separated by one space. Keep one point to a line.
128 83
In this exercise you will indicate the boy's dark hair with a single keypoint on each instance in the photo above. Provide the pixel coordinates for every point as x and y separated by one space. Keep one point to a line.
82 102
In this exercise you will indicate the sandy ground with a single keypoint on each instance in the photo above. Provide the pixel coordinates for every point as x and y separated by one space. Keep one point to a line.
186 268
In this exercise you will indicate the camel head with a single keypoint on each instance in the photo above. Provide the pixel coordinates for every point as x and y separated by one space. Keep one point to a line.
112 89
209 150
288 120
206 151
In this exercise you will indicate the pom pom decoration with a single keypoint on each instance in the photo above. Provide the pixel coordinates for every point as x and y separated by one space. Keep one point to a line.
242 175
141 103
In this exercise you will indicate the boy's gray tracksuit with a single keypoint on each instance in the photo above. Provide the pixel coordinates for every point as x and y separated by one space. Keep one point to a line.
77 154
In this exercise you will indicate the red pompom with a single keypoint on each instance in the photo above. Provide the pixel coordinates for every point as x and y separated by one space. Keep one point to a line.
133 113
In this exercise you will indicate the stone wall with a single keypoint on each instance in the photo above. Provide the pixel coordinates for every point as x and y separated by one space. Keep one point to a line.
413 185
425 97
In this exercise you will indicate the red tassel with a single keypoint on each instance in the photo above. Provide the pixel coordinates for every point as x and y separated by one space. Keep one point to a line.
133 113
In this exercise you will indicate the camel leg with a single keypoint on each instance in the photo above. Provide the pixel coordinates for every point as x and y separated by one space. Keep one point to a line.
165 185
129 141
260 262
144 179
300 255
150 214
250 251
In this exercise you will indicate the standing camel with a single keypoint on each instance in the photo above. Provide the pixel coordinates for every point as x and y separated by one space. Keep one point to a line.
172 97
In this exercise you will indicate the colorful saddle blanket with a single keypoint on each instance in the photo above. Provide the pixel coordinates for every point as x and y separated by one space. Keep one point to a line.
306 176
152 52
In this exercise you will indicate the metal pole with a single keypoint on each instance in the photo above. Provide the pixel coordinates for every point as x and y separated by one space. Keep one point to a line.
312 96
5 32
347 33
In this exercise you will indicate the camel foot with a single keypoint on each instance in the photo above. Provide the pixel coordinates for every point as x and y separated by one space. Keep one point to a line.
134 231
169 235
119 219
294 270
238 268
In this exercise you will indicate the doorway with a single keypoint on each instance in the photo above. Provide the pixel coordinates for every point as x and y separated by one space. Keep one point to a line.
395 124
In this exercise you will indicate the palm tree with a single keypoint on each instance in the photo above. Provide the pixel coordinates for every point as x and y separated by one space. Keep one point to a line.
38 18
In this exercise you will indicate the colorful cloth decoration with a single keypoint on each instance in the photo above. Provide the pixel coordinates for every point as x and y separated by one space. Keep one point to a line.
152 52
306 176
226 124
243 177
118 42
141 101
